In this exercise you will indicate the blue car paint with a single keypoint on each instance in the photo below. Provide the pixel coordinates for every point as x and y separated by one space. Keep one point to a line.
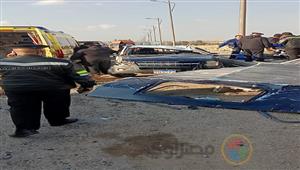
275 98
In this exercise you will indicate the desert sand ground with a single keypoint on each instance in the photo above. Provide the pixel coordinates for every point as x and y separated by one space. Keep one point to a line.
214 49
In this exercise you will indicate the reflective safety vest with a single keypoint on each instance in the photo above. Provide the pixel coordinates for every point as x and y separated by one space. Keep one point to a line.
33 73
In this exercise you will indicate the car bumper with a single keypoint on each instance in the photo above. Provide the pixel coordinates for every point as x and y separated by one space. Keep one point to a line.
123 69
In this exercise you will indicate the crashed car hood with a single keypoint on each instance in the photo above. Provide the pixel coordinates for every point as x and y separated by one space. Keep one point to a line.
279 83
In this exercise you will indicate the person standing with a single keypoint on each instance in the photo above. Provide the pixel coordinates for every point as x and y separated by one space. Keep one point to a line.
233 44
31 80
274 40
291 45
254 45
94 57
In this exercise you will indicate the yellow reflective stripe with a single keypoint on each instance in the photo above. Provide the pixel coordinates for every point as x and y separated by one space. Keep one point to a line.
34 64
82 73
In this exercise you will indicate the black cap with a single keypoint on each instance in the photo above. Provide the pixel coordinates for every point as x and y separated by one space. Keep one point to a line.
27 46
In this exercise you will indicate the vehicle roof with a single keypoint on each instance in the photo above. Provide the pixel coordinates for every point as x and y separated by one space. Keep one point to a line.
25 27
122 41
181 48
286 73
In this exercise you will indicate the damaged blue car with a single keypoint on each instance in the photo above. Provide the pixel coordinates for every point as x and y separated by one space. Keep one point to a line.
166 59
255 88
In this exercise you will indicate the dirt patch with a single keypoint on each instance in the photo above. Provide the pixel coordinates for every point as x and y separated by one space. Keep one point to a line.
100 79
143 145
215 49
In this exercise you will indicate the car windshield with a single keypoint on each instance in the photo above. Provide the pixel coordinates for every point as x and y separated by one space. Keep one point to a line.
140 50
151 51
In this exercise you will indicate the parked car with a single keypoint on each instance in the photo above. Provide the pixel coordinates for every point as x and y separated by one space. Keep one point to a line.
102 44
60 44
118 45
164 59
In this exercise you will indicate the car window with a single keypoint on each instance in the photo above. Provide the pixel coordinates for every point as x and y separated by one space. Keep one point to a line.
72 42
11 38
49 43
142 51
63 41
147 51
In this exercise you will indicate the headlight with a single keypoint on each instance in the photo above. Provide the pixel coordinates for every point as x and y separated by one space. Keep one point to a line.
119 59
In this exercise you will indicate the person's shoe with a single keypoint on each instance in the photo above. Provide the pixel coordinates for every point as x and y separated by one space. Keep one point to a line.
64 122
22 133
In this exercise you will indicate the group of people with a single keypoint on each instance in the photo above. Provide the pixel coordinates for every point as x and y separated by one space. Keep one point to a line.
253 46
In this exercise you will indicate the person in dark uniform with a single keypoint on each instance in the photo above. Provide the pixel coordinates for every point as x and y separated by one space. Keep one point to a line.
254 45
291 45
274 40
233 44
31 81
94 57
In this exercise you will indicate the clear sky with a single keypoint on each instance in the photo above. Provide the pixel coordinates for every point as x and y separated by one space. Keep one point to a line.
117 19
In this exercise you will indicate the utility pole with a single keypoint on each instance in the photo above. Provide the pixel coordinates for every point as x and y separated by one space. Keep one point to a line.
154 33
159 30
171 9
159 21
243 16
149 39
150 33
172 22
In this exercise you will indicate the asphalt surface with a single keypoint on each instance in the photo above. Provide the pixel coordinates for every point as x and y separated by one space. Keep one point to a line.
114 134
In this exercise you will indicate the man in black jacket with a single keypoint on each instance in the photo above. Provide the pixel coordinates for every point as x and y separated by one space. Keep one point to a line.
254 45
94 57
291 44
29 80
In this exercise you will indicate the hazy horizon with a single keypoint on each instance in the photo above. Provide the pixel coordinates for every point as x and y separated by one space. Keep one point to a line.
194 20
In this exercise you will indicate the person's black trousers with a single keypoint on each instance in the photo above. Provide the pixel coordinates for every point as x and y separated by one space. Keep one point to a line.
26 107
